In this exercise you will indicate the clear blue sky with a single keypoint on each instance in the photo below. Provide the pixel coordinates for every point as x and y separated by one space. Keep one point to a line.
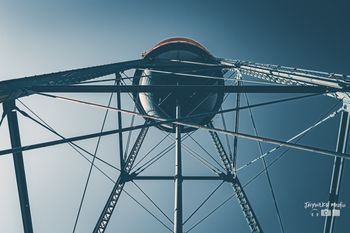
44 36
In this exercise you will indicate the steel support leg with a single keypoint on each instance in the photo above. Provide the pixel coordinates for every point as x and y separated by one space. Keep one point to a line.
120 134
238 103
242 198
337 170
178 178
112 201
19 166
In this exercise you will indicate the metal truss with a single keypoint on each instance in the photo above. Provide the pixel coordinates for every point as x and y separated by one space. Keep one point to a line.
236 185
291 80
15 88
119 185
294 76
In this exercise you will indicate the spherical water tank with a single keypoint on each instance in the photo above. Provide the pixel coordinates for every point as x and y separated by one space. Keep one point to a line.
163 104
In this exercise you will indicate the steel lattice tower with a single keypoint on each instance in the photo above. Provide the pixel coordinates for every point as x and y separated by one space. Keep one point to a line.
165 79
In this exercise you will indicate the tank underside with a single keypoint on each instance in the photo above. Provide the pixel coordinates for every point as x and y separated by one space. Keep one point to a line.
197 108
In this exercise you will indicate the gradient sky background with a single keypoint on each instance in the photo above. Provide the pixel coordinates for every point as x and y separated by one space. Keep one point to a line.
47 36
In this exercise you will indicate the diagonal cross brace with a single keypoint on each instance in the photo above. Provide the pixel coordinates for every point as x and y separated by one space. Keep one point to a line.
236 184
111 203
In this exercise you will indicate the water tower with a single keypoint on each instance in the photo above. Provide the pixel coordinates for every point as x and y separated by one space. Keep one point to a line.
178 87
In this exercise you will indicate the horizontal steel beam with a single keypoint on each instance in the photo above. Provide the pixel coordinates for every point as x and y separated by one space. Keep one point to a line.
183 88
12 89
172 178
